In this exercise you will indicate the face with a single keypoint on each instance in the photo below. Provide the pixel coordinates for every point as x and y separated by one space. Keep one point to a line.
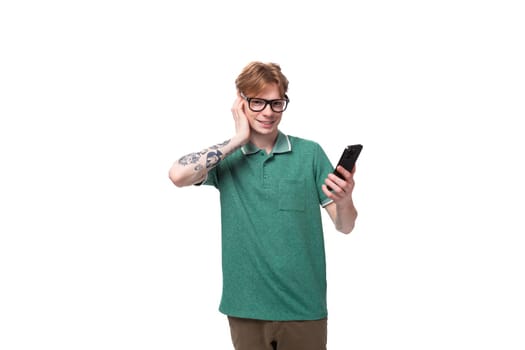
265 122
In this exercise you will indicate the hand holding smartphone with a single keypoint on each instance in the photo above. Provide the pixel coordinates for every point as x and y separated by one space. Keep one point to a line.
348 158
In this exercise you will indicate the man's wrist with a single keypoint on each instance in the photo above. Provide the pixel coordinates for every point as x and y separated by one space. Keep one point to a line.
239 141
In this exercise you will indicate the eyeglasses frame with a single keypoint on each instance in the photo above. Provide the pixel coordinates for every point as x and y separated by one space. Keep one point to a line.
266 102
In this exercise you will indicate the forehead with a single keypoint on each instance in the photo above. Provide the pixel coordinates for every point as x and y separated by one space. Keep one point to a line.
269 92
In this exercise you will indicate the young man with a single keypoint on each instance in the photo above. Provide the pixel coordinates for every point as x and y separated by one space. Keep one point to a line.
272 187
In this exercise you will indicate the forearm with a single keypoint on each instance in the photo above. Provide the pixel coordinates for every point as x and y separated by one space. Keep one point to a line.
345 217
193 167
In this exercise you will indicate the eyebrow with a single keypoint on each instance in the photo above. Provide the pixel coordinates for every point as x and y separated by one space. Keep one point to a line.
260 98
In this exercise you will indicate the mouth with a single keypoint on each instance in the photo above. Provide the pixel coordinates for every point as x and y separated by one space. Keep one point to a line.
266 123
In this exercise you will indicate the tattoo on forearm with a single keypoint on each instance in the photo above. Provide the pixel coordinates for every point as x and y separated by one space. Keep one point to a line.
213 156
190 159
217 146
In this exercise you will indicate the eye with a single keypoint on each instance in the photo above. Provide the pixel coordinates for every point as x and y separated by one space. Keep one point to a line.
257 103
278 103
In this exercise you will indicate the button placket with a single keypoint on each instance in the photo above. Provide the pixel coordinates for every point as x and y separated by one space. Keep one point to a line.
265 174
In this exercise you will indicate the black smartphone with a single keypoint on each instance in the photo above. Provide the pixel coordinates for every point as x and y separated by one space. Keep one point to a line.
348 158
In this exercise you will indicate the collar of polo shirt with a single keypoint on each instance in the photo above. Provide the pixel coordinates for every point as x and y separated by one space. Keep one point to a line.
282 145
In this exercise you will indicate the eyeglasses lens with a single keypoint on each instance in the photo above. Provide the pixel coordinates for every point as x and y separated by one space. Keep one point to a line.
258 105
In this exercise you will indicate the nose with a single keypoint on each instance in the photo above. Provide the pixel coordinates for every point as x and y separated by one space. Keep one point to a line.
267 110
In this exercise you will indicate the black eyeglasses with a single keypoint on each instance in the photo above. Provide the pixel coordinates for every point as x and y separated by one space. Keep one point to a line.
258 104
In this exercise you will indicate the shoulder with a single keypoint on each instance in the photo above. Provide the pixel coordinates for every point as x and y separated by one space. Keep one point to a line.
309 150
302 144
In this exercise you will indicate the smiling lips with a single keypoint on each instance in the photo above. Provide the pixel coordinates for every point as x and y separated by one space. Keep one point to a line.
266 123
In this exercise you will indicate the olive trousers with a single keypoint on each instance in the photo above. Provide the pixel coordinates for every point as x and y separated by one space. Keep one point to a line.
250 334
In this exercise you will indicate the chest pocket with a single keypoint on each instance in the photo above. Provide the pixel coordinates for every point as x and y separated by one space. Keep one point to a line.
292 194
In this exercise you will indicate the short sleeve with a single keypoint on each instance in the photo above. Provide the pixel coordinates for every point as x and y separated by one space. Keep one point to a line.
212 178
323 167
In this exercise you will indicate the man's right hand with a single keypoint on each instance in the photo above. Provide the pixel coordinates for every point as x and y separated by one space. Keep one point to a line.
242 126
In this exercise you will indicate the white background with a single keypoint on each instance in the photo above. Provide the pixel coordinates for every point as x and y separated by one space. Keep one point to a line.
98 250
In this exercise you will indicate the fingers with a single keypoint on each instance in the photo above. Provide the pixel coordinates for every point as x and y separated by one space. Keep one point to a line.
242 126
345 173
327 191
236 104
341 185
335 184
238 107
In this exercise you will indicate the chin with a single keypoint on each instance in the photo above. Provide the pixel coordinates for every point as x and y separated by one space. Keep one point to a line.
266 131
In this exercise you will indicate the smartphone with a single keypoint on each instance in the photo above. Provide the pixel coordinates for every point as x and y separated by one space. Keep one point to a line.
348 158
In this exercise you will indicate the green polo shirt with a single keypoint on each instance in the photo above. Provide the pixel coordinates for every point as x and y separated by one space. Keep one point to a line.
273 256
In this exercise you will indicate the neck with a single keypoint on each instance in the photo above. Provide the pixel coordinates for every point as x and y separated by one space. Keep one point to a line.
265 142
